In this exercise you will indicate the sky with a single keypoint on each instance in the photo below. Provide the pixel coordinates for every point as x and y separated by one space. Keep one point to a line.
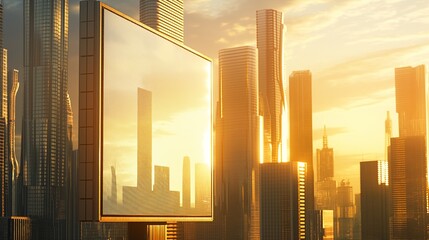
351 47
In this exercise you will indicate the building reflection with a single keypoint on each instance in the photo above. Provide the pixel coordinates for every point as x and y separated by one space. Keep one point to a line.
157 198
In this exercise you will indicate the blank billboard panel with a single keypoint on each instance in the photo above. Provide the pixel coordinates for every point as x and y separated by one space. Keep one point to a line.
156 125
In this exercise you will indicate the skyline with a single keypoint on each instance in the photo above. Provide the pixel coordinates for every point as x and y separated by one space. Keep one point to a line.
355 62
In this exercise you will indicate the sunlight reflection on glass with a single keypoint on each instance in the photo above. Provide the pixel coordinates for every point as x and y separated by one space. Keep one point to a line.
156 111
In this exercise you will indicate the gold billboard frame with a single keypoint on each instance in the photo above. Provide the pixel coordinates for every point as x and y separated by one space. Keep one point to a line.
98 67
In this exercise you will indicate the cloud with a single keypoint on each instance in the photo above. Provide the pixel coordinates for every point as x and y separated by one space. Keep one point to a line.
375 71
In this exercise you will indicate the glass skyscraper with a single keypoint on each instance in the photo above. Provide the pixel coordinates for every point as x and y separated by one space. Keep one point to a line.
408 161
283 209
269 31
239 155
44 137
301 132
165 16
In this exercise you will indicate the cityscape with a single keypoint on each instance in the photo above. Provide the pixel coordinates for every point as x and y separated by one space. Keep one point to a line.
226 120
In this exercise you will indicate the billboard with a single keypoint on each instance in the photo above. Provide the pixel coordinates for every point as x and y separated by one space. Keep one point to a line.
155 125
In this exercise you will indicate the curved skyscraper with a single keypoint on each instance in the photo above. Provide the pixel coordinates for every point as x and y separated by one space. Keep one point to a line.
269 32
44 137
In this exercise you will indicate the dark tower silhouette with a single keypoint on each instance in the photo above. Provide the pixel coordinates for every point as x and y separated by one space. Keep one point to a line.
375 202
283 201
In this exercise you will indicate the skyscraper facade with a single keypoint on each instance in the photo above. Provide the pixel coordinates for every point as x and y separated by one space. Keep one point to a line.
345 212
408 181
13 86
410 86
301 130
325 190
375 200
388 135
269 30
45 115
408 161
283 209
166 16
325 160
5 163
239 153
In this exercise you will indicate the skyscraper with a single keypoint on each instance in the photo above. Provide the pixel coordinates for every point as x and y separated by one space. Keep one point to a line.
345 212
5 163
408 161
13 86
45 115
186 183
240 141
325 160
374 185
326 186
283 209
409 186
269 30
410 86
165 16
301 130
144 141
388 135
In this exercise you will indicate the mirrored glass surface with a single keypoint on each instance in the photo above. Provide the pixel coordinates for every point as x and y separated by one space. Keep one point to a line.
156 127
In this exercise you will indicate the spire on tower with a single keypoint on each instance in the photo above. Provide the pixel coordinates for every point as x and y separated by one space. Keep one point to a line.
325 138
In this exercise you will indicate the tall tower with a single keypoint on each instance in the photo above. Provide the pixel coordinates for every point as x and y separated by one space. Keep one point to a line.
240 129
345 211
5 163
408 161
13 86
269 30
166 16
144 141
325 190
409 186
410 85
186 183
301 126
325 160
45 114
388 135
